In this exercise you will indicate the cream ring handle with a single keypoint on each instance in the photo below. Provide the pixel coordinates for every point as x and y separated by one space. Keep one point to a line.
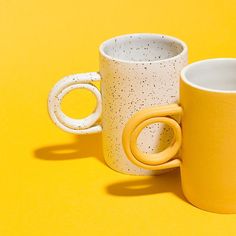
140 120
64 86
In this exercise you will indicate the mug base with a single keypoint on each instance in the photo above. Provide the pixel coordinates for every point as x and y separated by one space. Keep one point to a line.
213 208
138 171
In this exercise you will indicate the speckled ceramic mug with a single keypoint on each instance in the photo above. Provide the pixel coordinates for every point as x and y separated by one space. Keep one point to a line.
136 71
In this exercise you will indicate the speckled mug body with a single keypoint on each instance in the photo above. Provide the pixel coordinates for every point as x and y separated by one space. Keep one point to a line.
138 71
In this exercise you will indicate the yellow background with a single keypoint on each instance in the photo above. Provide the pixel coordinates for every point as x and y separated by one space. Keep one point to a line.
54 183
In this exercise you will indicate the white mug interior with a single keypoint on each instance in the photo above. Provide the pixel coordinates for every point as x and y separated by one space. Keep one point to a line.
216 75
142 47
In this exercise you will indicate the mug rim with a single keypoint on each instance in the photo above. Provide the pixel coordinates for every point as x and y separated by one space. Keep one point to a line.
106 42
199 87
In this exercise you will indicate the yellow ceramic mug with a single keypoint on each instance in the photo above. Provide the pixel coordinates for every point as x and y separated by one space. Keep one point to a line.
206 135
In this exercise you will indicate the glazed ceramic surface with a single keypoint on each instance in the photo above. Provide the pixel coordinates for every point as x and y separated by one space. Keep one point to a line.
136 71
208 153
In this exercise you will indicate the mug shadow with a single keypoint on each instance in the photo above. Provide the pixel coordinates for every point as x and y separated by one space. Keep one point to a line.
83 146
168 182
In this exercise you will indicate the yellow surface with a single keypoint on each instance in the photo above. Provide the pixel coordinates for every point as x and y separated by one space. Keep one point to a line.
53 183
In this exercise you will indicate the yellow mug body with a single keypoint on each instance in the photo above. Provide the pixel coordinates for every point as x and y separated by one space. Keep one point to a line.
204 125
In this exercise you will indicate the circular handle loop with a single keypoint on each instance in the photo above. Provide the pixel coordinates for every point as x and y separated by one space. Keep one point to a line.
64 86
138 122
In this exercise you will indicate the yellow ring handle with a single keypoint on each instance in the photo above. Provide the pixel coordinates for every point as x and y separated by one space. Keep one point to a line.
135 125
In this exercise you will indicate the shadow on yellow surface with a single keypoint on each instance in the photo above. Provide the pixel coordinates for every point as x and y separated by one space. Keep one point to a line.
83 146
169 182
